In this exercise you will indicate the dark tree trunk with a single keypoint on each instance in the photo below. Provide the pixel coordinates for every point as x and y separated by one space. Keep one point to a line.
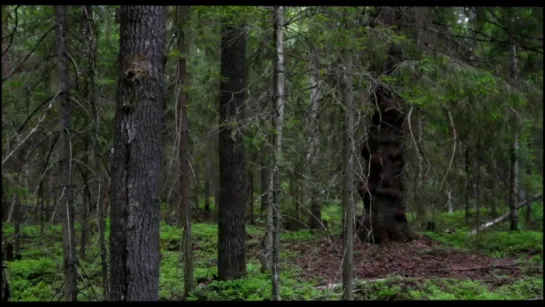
383 195
207 185
86 200
136 161
251 195
65 149
233 181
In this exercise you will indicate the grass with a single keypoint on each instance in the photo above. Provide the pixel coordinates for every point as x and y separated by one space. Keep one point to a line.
38 275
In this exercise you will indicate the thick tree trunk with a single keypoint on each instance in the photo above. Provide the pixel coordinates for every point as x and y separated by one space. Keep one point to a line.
348 177
136 161
185 205
383 195
65 149
233 190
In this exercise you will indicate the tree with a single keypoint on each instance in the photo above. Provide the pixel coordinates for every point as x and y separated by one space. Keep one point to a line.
232 163
185 205
348 169
134 230
278 122
65 148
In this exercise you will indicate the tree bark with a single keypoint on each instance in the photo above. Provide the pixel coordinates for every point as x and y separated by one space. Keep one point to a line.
136 161
233 182
65 148
278 122
513 189
348 177
313 133
383 194
185 205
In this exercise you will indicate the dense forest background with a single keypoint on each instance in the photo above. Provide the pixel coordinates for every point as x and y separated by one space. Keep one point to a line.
271 153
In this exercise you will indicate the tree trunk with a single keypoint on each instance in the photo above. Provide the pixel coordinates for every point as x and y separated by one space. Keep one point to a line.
312 169
513 189
65 149
467 185
348 177
207 194
264 184
98 186
185 205
251 195
383 194
136 161
17 226
278 122
233 190
5 43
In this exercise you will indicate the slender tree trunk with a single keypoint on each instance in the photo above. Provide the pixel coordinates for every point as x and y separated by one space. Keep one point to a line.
476 189
85 209
136 161
312 168
513 190
98 186
264 184
233 182
207 191
467 186
278 122
493 206
348 177
69 242
185 205
251 195
17 226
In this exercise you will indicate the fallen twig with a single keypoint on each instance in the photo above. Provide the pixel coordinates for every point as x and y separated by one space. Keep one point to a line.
478 268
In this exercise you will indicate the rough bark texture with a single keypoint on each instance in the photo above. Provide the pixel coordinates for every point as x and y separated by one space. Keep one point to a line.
383 193
233 183
278 122
513 189
312 168
136 161
348 177
185 205
65 149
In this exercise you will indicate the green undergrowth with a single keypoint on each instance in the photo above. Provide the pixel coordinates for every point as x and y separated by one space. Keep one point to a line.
38 275
448 289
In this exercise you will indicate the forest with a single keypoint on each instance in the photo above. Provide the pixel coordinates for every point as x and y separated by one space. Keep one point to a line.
271 153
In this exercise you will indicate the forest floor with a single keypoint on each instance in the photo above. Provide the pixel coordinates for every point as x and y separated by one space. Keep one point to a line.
496 264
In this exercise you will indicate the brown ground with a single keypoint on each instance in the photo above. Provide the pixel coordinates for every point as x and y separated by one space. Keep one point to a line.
321 258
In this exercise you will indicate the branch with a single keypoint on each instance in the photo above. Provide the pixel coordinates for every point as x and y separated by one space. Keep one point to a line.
28 54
